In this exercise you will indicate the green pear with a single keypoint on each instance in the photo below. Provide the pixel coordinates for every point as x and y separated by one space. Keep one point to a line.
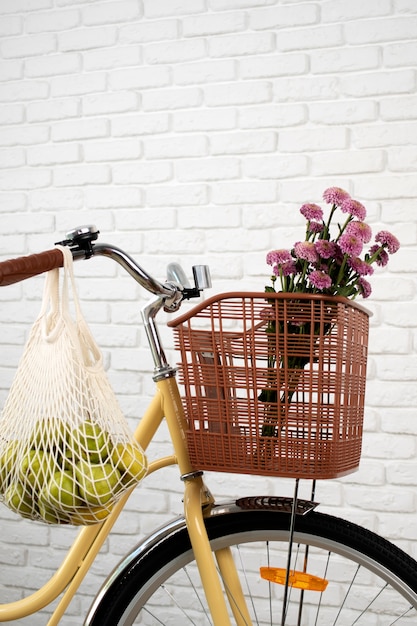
7 462
19 500
90 442
130 461
97 483
61 491
36 467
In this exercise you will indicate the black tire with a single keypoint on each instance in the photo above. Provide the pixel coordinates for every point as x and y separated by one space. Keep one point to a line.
371 581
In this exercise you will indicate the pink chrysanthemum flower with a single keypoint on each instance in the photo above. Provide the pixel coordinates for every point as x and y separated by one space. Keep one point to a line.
382 258
351 245
320 280
360 267
361 230
325 249
315 227
335 195
388 240
354 208
278 257
289 268
364 287
306 250
312 212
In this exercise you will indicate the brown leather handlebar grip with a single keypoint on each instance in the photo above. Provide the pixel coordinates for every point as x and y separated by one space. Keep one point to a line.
15 270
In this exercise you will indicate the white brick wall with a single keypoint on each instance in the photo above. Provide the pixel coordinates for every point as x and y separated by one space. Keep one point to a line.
191 130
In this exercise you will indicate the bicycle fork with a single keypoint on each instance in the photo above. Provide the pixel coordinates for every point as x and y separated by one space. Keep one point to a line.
212 575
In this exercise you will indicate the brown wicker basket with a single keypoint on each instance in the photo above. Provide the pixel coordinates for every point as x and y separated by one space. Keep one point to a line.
274 384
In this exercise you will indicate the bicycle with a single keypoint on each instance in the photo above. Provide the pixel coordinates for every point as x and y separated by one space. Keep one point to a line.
256 560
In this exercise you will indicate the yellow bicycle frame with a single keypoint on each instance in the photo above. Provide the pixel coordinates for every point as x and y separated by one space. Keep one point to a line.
68 577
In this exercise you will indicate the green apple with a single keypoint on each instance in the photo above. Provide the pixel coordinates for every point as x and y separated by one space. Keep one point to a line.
61 491
19 500
36 467
97 483
130 461
49 434
90 442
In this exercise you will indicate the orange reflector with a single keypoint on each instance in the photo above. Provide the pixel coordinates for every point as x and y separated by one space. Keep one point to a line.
298 580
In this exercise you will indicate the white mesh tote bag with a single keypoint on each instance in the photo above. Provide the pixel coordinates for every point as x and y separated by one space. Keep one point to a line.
66 450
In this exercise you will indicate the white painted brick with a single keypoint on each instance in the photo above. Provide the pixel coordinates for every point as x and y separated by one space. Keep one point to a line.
24 5
23 90
79 129
52 65
13 157
141 173
243 142
348 162
25 178
139 78
171 98
143 32
295 140
11 114
112 57
119 102
284 16
244 192
213 24
241 44
212 220
110 12
337 10
57 199
29 45
380 135
137 221
204 72
264 116
11 70
347 112
250 92
81 175
23 135
56 109
113 197
273 65
225 5
176 146
113 150
345 59
160 8
275 167
175 51
177 195
207 169
379 83
390 110
140 124
11 25
307 88
51 21
78 85
380 30
87 38
311 38
204 120
50 154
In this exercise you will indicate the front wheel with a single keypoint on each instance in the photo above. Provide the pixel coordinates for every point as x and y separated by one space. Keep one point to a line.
370 582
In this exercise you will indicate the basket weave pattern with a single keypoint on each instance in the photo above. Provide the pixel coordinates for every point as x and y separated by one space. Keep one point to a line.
282 402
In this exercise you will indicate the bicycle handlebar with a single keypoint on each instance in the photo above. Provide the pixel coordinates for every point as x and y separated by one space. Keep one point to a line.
15 270
80 241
